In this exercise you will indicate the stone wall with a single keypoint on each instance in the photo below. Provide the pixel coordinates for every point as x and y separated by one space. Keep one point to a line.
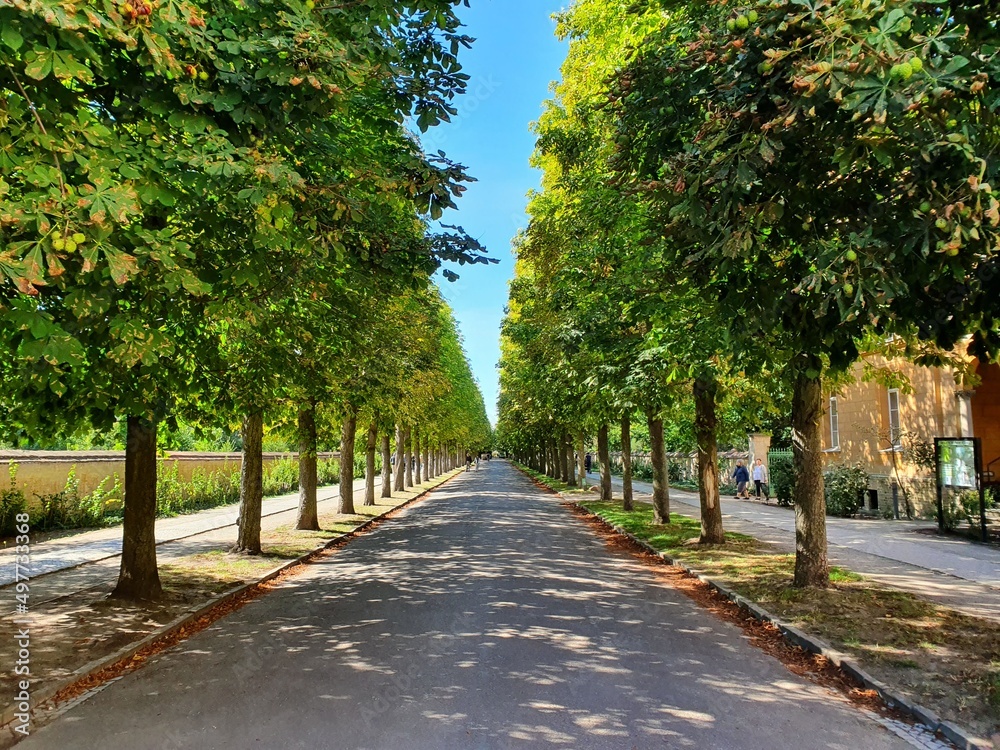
45 472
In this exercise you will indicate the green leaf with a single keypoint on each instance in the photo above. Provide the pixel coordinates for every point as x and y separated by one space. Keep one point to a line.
11 38
39 64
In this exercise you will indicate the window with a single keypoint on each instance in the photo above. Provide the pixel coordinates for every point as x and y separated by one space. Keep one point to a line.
895 434
834 424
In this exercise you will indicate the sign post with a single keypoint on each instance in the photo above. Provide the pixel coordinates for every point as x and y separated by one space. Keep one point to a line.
960 467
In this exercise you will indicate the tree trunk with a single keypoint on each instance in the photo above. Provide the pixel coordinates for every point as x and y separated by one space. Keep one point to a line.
416 457
554 453
627 503
428 474
571 464
408 441
811 566
308 517
251 485
348 431
386 467
661 479
138 578
705 389
604 456
581 459
370 464
563 457
399 477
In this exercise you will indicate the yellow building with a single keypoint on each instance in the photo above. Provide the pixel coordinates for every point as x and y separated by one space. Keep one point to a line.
878 427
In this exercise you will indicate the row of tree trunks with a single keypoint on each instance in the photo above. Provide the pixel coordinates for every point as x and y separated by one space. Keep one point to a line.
386 466
399 479
409 457
627 503
370 447
658 457
416 457
138 577
568 442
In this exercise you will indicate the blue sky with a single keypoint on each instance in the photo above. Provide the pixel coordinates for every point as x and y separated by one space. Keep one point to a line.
511 64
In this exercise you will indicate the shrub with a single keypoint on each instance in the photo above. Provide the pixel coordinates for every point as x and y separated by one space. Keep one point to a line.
967 507
782 476
12 502
843 486
95 508
328 471
675 471
281 477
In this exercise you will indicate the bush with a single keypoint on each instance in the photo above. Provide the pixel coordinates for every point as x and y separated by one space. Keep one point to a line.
843 486
782 476
327 472
281 477
66 509
967 508
12 502
675 471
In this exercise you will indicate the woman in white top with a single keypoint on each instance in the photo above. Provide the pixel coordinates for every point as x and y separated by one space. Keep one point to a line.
760 479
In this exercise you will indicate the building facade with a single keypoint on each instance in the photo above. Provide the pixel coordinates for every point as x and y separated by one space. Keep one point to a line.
889 431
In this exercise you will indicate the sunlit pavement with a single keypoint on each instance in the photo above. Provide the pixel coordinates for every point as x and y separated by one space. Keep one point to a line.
61 553
948 570
486 617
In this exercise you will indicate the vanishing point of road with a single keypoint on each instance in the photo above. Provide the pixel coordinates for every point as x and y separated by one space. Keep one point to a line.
485 617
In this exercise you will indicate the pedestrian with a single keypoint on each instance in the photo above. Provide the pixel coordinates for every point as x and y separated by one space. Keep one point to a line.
468 461
760 480
587 461
477 462
742 477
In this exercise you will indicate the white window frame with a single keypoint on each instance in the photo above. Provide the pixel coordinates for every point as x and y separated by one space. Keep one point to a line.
834 424
895 430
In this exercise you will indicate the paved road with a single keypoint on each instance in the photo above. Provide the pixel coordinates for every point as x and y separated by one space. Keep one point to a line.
60 553
486 617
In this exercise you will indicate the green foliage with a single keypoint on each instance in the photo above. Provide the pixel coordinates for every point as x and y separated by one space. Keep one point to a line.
967 507
12 502
67 509
844 487
781 470
327 473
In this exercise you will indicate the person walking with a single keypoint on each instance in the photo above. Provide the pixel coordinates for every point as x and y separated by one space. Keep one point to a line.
760 480
468 461
477 462
587 461
742 478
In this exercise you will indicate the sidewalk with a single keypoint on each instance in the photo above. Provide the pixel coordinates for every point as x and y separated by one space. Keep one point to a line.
907 555
93 545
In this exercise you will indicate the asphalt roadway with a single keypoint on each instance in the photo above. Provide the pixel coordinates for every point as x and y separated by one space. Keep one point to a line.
484 617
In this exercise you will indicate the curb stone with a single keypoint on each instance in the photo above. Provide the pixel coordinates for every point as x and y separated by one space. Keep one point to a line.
958 736
40 699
